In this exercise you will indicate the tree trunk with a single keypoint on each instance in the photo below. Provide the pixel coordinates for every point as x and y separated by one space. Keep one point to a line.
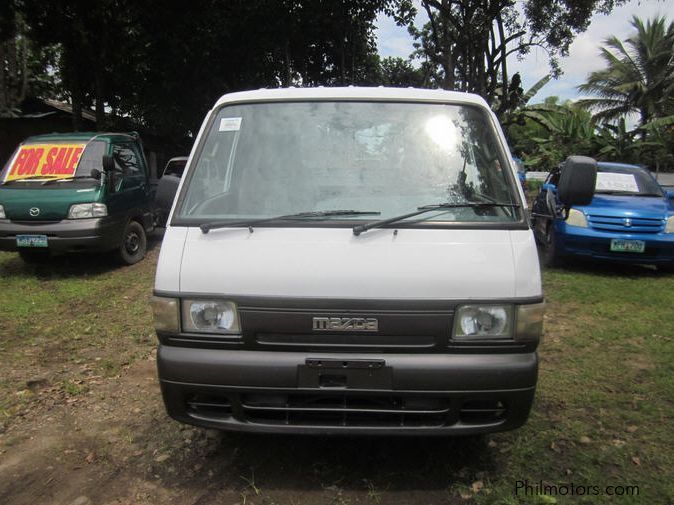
100 102
75 95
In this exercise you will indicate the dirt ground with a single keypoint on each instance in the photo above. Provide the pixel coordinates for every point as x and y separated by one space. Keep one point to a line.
109 441
117 446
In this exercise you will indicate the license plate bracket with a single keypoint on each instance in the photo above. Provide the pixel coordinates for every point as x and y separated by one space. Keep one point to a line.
628 246
344 374
32 241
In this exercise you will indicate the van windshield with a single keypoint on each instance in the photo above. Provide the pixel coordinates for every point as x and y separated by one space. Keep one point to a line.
269 159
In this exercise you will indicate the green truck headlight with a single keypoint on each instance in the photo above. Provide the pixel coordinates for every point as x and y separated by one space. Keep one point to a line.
87 210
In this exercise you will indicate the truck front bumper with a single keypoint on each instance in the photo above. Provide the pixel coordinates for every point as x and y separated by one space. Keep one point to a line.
68 235
327 393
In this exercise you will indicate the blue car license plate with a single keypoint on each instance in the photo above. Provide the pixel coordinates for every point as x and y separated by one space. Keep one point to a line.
31 241
629 246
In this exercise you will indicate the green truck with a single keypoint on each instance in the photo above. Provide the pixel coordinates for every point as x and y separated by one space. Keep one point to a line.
76 192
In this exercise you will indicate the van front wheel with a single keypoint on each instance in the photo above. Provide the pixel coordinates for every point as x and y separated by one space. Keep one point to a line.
134 244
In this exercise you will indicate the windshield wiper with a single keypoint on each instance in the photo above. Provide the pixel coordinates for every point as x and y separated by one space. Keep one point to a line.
357 230
30 178
61 179
206 227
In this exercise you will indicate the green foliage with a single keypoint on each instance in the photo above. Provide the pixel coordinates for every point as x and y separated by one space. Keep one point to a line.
163 65
639 78
398 72
466 44
639 74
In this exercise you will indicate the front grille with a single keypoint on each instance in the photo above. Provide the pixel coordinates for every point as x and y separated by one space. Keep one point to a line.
208 406
481 411
636 224
345 409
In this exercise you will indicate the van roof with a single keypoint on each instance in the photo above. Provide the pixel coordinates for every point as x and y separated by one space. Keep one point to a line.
78 136
352 93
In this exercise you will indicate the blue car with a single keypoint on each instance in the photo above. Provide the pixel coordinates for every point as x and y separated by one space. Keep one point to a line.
630 220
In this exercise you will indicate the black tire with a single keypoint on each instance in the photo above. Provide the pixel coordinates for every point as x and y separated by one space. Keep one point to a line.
667 268
35 257
134 244
551 256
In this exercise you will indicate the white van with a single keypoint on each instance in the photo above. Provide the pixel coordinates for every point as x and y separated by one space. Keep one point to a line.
349 260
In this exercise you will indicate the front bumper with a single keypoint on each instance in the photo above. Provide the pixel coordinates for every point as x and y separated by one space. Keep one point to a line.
68 235
305 392
596 244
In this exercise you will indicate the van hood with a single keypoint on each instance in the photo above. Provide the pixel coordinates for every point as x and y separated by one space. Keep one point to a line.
53 202
333 263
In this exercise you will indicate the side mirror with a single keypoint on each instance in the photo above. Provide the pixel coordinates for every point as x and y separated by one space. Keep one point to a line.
95 174
550 187
669 193
577 181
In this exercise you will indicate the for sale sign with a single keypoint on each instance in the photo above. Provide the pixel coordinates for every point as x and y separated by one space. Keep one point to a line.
45 160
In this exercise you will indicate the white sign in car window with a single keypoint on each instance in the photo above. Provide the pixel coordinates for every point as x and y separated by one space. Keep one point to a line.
610 181
230 124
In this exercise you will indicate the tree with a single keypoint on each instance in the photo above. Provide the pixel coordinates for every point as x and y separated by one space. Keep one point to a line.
398 72
23 67
147 62
469 42
639 74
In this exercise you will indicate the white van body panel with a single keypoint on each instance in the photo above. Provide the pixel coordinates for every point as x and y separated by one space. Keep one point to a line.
170 259
333 263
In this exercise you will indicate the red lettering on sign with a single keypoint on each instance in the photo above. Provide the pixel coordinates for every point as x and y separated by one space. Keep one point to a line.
74 160
66 161
34 161
17 168
48 167
58 161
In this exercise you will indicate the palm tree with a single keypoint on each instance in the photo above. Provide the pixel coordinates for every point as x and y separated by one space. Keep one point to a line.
639 74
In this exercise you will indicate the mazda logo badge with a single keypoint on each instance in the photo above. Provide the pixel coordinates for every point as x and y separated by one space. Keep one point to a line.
34 211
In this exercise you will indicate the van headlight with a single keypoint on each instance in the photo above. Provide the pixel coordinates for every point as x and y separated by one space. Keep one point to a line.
483 322
576 218
87 210
529 322
2 212
521 323
166 314
210 316
669 228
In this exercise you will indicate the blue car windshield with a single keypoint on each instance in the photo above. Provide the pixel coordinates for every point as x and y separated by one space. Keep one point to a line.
634 181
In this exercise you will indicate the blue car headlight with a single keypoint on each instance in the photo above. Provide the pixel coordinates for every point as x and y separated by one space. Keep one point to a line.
669 228
576 218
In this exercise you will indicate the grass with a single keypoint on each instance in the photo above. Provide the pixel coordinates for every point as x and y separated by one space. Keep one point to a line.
76 317
602 417
603 413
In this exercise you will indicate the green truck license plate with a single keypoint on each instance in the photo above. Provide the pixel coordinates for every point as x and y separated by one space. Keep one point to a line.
31 241
630 246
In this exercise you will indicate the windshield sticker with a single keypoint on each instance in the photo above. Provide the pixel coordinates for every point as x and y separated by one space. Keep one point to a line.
610 181
45 160
230 124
